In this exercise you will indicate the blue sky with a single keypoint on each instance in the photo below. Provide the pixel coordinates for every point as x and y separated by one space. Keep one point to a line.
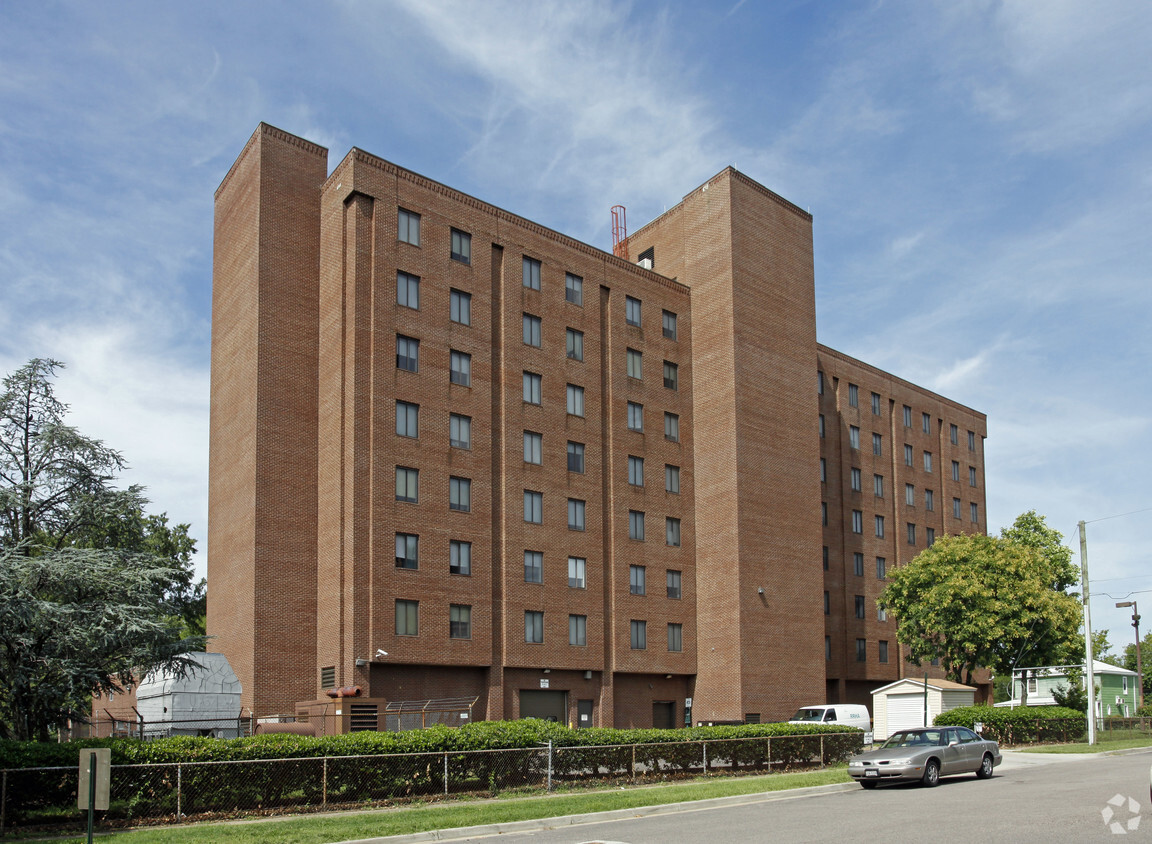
980 175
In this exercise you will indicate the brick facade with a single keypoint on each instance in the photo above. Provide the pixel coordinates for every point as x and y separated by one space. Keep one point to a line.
345 360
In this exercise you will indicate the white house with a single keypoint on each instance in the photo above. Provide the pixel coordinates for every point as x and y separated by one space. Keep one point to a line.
901 705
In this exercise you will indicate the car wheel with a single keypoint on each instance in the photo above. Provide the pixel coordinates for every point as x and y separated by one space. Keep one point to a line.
985 770
868 783
931 773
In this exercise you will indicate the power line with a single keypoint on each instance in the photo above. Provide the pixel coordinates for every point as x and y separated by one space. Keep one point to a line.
1118 515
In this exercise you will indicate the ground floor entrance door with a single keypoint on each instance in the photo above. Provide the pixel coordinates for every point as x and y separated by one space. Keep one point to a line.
664 714
545 704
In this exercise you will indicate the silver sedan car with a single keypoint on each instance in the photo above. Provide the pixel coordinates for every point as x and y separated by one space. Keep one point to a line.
926 754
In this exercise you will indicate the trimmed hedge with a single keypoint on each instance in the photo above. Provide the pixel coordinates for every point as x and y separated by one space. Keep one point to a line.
1022 725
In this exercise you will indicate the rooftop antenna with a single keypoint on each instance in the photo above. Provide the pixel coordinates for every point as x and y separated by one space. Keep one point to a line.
619 232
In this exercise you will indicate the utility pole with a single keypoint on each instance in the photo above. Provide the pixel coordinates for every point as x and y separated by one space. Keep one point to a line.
1088 666
1139 662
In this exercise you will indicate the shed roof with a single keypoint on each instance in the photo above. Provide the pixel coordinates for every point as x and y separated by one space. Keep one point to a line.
941 685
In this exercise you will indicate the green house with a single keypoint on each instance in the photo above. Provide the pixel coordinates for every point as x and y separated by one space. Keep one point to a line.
1117 696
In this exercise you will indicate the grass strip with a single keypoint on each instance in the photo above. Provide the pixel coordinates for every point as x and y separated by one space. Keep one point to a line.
1084 747
408 820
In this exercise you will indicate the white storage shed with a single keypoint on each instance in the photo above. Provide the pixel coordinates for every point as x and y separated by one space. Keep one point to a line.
900 705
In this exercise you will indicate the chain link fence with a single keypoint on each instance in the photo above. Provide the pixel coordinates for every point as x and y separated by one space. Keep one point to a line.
45 798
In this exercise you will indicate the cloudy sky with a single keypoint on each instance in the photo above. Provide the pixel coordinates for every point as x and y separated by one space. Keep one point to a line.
980 175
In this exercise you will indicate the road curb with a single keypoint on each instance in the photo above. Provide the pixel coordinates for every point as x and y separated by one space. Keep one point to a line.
561 821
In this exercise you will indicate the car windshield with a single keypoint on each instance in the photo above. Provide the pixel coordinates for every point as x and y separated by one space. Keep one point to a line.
915 738
809 715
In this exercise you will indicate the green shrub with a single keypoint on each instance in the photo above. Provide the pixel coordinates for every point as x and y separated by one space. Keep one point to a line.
1020 725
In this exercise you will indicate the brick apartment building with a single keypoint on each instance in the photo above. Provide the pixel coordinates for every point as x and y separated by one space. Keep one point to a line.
457 454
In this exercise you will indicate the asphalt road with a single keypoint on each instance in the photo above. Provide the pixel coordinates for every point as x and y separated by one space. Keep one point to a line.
1031 797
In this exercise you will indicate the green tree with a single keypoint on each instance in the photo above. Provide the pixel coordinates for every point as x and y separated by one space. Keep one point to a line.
1128 660
980 601
93 591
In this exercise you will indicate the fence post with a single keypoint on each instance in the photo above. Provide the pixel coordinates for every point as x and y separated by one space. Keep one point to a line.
632 769
704 754
769 754
3 801
445 774
549 764
821 751
324 783
179 791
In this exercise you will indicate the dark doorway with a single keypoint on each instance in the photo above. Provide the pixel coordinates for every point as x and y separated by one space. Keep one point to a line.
664 714
584 713
547 705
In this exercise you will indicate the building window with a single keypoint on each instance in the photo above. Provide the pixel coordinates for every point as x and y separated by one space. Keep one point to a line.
673 584
956 508
824 513
671 375
636 525
875 404
910 495
881 568
461 369
669 325
861 650
408 227
631 311
533 567
672 427
636 580
819 383
533 507
853 395
407 353
576 514
635 361
929 500
823 470
533 447
576 457
926 422
827 603
853 436
856 483
459 557
635 416
575 400
675 638
858 564
954 434
460 306
881 614
460 430
821 426
532 330
460 494
407 551
930 536
974 512
859 606
574 289
577 630
880 526
407 618
911 533
575 344
460 621
531 273
639 635
636 470
857 520
907 455
927 461
577 567
883 656
532 388
971 476
877 444
672 479
878 485
827 648
825 555
408 290
407 419
907 416
533 627
672 532
407 484
971 440
461 246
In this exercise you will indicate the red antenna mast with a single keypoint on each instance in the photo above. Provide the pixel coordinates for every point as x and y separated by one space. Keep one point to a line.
619 232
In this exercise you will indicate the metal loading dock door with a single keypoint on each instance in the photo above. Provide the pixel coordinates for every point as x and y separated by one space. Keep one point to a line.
547 705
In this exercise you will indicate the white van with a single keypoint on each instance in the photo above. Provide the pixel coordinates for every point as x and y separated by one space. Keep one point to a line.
845 714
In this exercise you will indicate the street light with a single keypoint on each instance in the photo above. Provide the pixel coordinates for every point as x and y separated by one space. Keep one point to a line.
1139 662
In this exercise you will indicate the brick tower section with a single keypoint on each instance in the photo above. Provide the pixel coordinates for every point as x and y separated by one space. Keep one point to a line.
746 254
263 436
